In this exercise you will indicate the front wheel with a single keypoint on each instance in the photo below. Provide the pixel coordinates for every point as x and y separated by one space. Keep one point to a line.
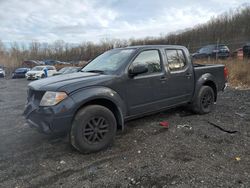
93 129
204 101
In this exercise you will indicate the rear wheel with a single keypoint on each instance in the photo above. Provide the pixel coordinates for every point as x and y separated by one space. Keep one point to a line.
43 76
93 129
204 102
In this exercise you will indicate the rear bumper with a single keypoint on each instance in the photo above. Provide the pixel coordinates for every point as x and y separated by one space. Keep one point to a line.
50 120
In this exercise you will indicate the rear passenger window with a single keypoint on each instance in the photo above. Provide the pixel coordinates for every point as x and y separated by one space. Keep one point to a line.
151 59
176 60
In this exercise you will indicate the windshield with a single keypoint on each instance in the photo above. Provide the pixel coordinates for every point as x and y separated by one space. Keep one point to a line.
38 68
109 61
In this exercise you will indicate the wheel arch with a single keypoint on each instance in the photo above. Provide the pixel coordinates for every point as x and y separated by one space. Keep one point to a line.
111 106
206 80
213 86
103 96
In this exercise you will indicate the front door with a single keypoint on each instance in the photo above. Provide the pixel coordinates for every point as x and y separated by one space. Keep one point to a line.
140 90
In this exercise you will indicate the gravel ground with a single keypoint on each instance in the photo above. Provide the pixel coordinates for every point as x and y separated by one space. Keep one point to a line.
195 151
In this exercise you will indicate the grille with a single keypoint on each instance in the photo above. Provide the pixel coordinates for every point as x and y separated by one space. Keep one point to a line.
35 95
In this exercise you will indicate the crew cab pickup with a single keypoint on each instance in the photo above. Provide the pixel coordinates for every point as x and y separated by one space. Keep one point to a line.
117 86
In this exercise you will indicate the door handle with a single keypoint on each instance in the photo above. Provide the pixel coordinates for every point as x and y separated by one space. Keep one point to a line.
188 75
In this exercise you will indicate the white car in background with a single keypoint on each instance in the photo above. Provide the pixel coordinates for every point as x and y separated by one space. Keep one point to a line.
2 73
38 72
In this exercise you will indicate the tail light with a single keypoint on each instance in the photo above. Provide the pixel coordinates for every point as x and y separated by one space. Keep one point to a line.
225 73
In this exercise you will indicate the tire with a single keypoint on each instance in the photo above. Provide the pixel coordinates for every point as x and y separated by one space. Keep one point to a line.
93 129
204 102
43 76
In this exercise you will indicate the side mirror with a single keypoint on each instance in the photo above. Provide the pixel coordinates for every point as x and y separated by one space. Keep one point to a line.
138 69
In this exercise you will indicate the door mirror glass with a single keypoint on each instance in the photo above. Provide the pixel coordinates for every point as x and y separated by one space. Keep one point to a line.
138 69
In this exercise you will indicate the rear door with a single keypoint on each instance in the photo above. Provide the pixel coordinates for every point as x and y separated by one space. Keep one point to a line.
179 85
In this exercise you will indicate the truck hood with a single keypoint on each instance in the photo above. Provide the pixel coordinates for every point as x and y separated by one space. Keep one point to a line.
70 82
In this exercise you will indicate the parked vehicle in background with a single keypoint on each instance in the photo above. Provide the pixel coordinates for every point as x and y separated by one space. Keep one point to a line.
119 85
51 62
238 53
38 72
20 73
67 70
2 73
220 51
246 51
63 63
32 63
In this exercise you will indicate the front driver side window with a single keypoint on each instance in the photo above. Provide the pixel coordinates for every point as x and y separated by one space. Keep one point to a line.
151 59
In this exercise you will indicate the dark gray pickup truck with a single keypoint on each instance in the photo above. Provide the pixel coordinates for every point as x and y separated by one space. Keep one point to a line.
119 85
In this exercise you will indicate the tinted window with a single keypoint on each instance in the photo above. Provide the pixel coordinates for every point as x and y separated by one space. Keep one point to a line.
176 60
247 48
151 59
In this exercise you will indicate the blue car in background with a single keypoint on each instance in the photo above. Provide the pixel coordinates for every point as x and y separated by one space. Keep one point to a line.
20 73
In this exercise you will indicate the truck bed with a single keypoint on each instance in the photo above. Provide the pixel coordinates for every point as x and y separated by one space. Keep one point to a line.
217 71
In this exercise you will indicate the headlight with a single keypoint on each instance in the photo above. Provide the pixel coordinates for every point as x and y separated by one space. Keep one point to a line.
51 98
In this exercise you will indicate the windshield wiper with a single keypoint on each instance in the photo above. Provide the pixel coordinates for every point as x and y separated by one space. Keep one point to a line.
95 71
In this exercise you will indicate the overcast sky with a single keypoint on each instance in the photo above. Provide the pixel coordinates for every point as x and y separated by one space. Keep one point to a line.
75 21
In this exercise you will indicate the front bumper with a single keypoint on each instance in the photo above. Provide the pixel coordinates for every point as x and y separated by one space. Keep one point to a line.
50 120
32 77
18 75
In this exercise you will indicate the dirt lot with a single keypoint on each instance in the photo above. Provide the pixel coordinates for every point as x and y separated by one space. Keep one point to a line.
191 153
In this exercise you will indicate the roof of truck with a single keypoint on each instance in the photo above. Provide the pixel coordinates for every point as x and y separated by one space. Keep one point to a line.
156 46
